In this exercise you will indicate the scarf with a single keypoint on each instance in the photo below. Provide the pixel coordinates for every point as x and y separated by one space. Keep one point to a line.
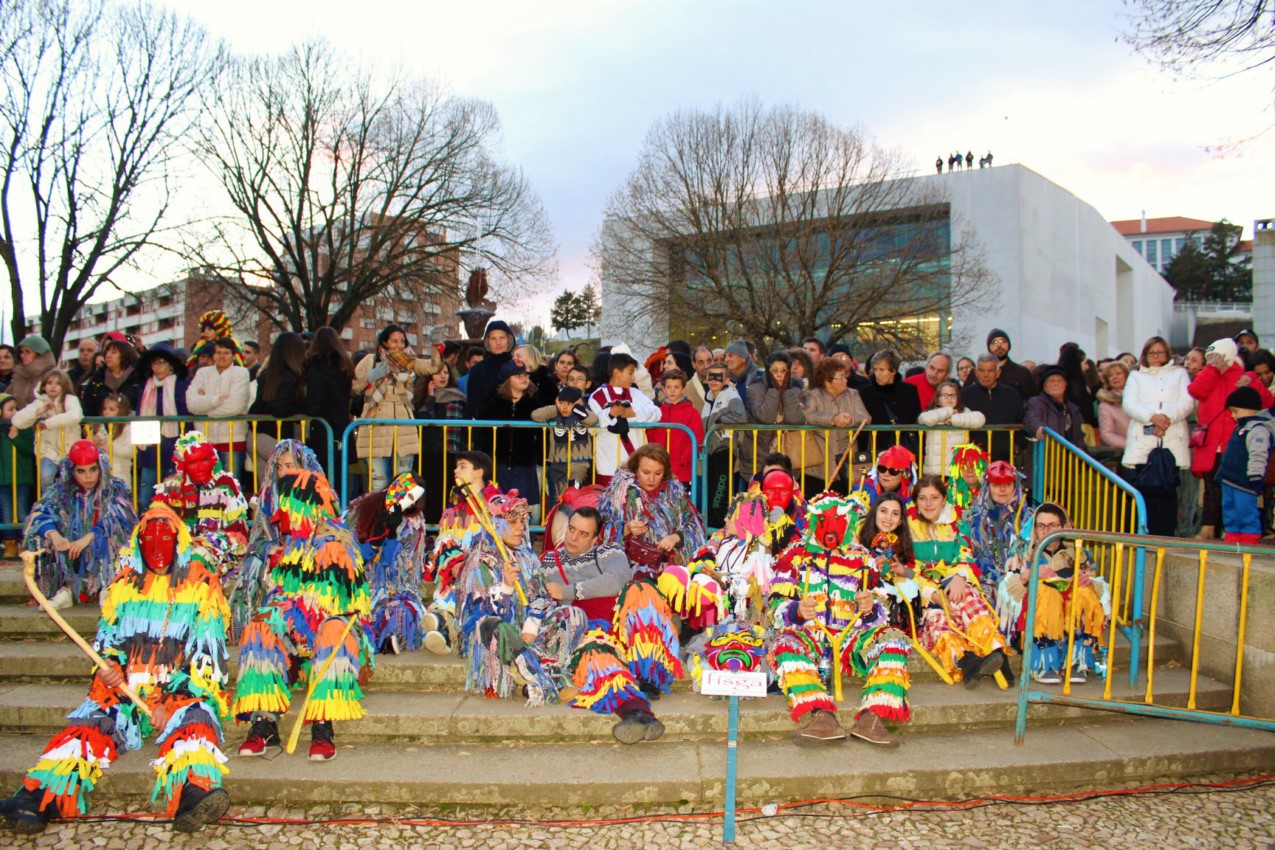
168 401
112 381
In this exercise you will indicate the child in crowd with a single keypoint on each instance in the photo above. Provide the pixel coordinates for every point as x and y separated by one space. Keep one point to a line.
55 414
570 448
678 408
615 403
1242 470
116 438
17 472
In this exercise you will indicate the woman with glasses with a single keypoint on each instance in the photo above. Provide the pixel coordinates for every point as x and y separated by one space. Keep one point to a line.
946 409
894 472
1158 405
836 407
722 408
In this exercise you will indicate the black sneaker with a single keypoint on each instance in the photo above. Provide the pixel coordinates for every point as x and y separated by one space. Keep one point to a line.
263 735
321 746
199 807
651 692
24 812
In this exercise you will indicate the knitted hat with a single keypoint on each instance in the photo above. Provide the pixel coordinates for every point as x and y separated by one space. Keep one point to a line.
565 393
1227 348
36 343
739 348
995 333
1049 371
218 321
5 397
1245 397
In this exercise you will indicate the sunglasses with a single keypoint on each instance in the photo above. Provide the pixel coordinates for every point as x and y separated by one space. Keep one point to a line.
887 470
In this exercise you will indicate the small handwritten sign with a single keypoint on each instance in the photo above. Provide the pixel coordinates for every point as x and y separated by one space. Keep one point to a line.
144 432
729 683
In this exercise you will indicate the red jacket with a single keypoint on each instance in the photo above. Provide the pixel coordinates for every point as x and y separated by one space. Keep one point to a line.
676 441
1210 388
923 389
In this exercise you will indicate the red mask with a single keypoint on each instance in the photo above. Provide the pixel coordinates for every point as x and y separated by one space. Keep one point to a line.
832 528
779 489
158 543
198 463
83 453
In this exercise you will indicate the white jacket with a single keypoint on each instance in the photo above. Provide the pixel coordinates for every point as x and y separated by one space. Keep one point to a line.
120 450
60 429
941 445
1161 389
232 383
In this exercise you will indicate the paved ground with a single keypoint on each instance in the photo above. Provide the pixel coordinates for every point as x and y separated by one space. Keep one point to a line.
1243 820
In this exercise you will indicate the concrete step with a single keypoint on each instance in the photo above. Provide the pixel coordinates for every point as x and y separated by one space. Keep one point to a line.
946 766
437 718
13 590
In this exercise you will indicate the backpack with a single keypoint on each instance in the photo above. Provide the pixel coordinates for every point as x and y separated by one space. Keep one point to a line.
1159 475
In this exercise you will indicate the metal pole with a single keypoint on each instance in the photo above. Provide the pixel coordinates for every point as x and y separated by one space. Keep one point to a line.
732 749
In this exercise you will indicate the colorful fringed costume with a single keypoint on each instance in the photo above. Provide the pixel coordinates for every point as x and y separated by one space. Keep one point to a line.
73 511
1056 605
666 511
830 568
393 537
250 587
167 631
996 532
316 582
953 628
968 461
457 529
208 500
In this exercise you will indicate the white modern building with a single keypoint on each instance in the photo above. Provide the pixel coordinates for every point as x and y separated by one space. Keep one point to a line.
1065 274
1160 239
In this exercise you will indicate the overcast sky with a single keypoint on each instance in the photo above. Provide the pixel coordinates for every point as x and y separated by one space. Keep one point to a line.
577 85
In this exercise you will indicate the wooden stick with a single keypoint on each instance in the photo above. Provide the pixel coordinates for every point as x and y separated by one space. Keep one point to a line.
295 735
28 573
849 451
484 519
921 650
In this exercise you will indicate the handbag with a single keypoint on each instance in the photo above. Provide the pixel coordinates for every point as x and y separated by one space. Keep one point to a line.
1159 475
1198 435
648 560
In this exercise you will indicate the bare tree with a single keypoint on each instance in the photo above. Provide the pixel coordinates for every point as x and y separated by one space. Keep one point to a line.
776 225
1238 35
350 185
94 101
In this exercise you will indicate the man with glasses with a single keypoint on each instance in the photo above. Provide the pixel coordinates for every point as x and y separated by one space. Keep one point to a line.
999 403
723 407
1061 598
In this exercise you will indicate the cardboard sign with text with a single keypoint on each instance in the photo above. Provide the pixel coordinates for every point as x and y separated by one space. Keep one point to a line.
729 683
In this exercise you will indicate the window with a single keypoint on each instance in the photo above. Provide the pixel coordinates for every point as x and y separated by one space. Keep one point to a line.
1137 246
1166 250
1151 253
1178 244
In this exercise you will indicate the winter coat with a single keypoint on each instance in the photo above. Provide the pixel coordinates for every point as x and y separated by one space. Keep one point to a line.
676 441
1113 422
1001 405
94 390
1210 388
1243 463
769 405
232 383
1151 390
940 445
820 406
1014 375
116 439
514 446
327 397
1064 419
481 381
722 410
895 403
388 395
569 437
287 401
445 403
17 456
61 428
27 379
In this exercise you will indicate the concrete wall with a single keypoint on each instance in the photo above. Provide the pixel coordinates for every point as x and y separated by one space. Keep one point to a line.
1264 280
1219 626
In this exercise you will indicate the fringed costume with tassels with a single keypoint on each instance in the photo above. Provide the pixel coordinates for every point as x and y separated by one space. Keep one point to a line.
168 634
1055 606
394 544
902 590
952 628
666 511
215 511
457 529
895 457
729 577
630 637
69 509
316 583
220 323
830 568
966 458
996 532
250 588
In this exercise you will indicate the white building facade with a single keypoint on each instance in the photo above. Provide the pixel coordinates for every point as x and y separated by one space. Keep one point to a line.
1065 274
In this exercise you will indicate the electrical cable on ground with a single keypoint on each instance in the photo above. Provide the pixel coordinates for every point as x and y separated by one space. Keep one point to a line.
747 815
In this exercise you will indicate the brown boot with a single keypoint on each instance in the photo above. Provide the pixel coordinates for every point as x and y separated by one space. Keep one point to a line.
868 727
1207 532
823 728
10 550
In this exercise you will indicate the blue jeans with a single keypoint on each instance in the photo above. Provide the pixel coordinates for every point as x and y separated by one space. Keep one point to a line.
48 473
1240 514
384 469
7 514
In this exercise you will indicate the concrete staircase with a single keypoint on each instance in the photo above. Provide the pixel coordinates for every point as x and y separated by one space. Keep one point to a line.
425 740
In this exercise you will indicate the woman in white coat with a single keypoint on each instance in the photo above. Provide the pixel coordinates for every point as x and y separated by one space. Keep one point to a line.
1158 404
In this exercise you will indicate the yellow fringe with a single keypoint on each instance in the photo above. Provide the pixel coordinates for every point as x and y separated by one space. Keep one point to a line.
1050 622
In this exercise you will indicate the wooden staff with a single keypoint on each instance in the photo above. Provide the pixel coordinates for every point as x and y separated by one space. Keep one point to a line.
28 573
921 650
983 649
295 735
484 519
849 451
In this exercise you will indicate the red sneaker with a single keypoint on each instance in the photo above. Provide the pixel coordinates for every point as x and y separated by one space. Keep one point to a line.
263 735
321 746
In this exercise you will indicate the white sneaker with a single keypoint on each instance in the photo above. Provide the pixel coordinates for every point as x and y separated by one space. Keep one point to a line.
1048 677
1078 676
62 599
